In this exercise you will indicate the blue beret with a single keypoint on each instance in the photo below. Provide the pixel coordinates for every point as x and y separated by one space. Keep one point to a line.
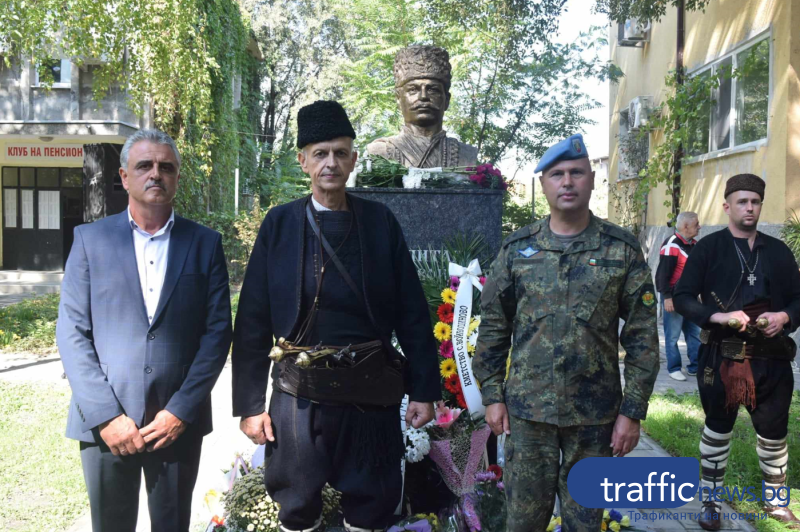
569 149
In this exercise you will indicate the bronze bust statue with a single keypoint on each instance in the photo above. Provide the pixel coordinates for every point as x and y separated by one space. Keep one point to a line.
422 86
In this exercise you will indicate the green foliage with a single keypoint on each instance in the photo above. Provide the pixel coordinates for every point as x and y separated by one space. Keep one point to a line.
41 480
178 57
514 91
381 172
683 121
517 215
790 234
649 10
238 236
433 265
30 325
676 423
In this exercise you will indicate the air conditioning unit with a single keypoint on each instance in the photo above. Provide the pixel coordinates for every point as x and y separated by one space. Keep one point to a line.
634 32
638 112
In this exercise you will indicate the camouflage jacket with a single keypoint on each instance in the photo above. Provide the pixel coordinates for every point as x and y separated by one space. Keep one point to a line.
561 309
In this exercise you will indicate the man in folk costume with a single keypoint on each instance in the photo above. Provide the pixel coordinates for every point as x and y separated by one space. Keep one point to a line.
749 288
330 278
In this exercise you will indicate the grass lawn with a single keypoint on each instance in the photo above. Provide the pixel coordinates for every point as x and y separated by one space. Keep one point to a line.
676 423
41 481
30 325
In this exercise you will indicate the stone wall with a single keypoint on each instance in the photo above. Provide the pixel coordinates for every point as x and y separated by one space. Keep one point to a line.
429 217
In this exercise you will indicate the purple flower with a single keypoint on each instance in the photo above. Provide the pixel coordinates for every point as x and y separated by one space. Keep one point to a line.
501 486
557 528
615 515
484 476
455 282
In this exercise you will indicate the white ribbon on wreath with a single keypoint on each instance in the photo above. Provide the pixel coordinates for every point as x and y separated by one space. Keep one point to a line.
469 277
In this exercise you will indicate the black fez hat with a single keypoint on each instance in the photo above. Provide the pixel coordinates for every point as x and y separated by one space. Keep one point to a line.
748 182
322 120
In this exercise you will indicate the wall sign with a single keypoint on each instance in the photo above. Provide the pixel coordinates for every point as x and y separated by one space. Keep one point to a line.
44 153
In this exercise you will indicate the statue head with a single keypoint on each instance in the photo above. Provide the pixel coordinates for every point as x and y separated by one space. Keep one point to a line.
422 76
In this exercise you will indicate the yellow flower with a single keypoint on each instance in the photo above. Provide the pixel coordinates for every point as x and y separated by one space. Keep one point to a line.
442 331
448 296
626 520
606 515
552 525
558 520
447 368
604 526
614 526
470 348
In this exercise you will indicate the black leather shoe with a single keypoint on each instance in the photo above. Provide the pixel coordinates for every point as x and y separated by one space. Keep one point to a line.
710 518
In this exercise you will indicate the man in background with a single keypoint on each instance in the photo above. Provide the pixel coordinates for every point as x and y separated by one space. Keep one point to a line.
672 258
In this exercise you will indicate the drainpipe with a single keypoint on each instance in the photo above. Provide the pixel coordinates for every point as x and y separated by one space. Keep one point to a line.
676 176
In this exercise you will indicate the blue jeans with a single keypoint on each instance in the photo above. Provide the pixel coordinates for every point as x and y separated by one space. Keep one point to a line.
673 325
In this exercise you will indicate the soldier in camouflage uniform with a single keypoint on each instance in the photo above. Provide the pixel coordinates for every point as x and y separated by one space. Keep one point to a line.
554 296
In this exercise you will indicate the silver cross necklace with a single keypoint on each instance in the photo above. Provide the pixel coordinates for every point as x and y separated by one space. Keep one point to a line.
752 277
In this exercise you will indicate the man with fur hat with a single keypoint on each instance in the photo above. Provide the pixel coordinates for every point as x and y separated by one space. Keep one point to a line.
331 278
749 288
422 87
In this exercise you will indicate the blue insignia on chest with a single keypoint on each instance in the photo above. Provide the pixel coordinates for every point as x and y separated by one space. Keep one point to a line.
528 252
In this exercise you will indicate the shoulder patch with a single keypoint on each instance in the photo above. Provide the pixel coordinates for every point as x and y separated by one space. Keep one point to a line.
648 297
619 233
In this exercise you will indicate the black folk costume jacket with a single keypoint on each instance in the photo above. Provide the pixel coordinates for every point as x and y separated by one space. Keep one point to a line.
714 266
270 300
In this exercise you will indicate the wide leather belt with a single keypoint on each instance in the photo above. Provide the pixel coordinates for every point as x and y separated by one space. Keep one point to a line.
735 348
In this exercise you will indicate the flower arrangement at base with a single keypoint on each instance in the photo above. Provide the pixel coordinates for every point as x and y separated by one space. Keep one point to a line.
249 508
377 171
418 444
490 499
417 523
612 520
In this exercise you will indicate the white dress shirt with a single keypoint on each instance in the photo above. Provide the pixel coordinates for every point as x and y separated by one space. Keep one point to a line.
151 261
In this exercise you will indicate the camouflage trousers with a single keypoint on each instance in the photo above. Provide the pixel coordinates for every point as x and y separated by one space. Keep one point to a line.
533 475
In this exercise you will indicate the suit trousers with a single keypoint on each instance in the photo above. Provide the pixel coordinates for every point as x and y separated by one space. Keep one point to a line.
113 483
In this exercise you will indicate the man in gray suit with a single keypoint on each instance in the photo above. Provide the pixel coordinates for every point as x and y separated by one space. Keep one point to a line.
144 329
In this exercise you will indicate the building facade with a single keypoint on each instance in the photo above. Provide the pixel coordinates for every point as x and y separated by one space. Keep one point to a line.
59 160
752 126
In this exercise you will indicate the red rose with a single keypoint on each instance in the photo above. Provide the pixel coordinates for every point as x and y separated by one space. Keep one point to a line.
497 470
445 312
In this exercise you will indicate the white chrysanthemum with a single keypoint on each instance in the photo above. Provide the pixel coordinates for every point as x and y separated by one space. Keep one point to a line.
419 444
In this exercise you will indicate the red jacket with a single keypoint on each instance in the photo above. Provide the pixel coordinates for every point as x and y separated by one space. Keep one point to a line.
672 258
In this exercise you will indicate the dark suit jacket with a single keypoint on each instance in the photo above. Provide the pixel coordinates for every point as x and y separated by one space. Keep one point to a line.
115 360
269 305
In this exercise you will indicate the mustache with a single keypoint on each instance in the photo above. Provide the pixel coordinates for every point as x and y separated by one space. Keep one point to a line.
151 184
